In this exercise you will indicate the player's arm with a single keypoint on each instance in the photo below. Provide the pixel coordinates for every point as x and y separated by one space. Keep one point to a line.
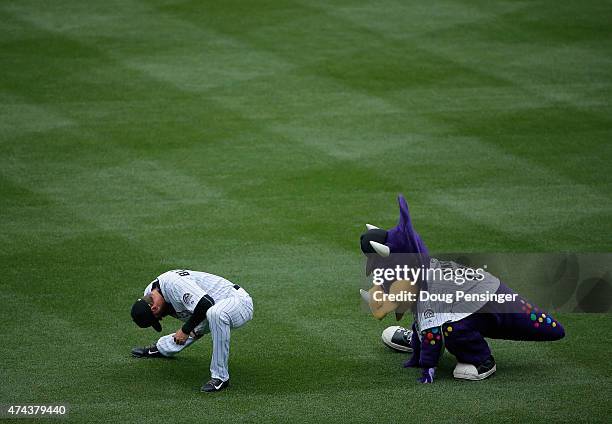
195 300
199 314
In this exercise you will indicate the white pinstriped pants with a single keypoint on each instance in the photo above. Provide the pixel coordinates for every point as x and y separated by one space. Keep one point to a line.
228 313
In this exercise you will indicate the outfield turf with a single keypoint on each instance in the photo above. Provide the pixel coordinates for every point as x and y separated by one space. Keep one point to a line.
254 140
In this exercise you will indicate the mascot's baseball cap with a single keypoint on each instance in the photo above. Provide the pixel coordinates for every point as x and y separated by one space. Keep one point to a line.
143 315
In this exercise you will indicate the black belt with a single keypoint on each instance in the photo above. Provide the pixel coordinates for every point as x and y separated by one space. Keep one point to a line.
236 287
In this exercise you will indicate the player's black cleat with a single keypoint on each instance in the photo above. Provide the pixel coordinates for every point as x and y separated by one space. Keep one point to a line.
214 385
147 352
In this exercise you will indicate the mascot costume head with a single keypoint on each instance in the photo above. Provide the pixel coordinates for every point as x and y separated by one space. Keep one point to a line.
378 244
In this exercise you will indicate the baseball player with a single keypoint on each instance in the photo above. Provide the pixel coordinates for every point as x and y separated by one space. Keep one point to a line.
459 325
206 303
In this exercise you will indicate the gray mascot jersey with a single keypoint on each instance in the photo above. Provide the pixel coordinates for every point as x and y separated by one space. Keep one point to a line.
440 305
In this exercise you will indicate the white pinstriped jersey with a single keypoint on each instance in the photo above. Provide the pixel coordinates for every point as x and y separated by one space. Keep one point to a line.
432 314
183 289
233 308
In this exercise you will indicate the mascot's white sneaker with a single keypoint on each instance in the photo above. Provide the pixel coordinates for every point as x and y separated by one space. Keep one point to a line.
397 338
471 372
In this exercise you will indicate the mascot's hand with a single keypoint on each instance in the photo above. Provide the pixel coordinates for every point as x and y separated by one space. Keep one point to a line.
427 376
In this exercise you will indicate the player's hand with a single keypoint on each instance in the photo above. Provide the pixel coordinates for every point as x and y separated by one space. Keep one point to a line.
427 377
179 337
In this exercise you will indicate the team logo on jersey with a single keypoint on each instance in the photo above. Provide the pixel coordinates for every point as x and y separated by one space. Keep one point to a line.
188 299
428 314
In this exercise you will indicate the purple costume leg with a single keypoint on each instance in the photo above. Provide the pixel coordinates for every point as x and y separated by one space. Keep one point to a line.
519 320
465 340
416 349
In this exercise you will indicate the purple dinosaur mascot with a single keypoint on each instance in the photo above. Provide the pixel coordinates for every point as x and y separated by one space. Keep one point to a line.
459 327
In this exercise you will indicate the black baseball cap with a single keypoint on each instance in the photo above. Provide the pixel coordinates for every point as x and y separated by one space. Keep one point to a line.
143 315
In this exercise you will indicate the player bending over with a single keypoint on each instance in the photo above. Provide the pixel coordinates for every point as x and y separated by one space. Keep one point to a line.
206 303
460 326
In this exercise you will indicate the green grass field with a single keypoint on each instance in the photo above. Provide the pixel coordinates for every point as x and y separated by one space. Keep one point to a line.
254 140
